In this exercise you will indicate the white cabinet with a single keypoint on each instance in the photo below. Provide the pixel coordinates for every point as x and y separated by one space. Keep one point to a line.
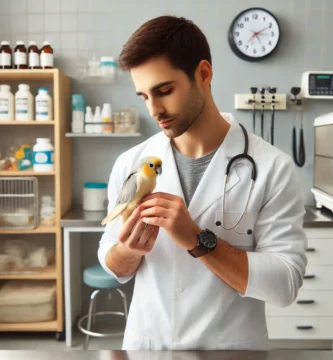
310 317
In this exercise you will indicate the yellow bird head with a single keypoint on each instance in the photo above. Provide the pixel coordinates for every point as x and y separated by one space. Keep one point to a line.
151 166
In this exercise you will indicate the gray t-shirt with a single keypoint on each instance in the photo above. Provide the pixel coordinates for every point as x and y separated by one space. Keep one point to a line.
190 172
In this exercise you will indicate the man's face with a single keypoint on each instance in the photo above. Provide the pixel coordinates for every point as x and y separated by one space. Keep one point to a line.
171 98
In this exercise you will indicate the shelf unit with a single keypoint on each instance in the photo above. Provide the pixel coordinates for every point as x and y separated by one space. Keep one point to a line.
62 184
27 123
27 173
47 273
114 135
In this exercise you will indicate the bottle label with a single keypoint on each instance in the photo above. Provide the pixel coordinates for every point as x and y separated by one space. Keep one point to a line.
46 59
42 107
21 105
107 128
4 106
20 58
44 157
33 59
5 59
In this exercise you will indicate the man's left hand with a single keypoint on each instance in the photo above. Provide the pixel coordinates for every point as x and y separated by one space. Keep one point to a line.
170 212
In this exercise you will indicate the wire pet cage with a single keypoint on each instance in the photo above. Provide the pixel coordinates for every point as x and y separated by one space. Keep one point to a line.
18 203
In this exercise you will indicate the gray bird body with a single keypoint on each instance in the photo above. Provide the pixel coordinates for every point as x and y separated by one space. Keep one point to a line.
139 183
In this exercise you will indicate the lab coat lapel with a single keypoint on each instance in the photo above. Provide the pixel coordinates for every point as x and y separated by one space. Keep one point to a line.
169 181
211 185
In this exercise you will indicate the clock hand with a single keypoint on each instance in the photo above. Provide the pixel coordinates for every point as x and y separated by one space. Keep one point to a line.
262 30
255 34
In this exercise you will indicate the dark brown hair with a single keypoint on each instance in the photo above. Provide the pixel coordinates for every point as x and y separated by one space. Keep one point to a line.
176 38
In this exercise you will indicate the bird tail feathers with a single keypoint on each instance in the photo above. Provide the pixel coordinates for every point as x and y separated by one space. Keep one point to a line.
114 213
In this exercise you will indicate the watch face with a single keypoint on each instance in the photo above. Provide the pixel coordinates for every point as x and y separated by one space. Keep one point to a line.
208 239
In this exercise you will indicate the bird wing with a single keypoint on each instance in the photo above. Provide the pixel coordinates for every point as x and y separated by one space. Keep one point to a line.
127 194
129 189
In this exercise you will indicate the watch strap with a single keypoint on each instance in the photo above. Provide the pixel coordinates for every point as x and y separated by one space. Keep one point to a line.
198 251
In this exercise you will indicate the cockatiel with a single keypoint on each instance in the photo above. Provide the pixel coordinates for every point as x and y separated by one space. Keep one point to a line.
139 183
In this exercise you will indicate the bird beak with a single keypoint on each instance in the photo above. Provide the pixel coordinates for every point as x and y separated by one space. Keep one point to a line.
159 170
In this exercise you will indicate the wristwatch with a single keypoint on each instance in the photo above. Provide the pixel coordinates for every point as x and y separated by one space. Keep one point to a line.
207 242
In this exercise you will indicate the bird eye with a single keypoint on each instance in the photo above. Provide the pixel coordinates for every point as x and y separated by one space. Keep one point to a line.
151 165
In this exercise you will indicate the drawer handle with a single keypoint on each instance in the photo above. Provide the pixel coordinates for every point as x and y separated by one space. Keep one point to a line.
310 250
305 302
307 277
304 327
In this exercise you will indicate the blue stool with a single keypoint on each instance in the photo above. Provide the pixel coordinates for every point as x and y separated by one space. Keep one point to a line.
96 277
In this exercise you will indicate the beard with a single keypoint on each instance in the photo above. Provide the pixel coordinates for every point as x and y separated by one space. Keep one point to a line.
193 107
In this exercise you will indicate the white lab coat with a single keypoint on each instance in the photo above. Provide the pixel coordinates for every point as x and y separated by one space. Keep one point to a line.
178 303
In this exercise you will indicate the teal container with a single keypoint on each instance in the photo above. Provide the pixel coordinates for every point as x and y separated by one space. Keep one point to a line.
78 102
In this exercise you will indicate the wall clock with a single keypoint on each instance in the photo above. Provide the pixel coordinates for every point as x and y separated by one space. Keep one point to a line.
254 34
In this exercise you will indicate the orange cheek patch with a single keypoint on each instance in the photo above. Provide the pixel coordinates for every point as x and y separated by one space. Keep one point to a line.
147 170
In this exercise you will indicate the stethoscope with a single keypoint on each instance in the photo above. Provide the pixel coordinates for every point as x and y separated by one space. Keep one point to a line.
244 155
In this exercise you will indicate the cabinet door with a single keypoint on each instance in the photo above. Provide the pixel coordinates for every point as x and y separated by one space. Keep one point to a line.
318 277
298 328
308 303
320 251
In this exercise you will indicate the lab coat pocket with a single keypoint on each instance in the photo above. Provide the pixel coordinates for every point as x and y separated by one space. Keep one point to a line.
241 236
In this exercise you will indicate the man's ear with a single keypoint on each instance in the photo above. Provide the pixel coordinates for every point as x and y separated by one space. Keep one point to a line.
204 73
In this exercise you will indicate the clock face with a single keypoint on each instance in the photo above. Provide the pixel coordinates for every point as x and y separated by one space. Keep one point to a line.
254 34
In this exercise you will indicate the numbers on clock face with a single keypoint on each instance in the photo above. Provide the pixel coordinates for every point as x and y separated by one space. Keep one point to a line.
256 33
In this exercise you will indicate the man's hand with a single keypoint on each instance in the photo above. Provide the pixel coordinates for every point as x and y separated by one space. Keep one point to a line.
170 212
137 235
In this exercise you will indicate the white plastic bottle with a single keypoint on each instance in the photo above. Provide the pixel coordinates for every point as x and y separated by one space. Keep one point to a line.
43 105
98 127
107 116
6 103
24 103
89 118
43 153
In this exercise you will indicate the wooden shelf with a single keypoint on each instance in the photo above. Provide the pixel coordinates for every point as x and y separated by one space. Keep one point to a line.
116 135
38 326
34 122
60 184
38 230
26 173
47 273
18 75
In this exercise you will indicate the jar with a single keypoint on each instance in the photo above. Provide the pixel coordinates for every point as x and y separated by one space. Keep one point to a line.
24 103
33 56
43 155
95 196
43 105
5 55
20 56
78 106
47 213
108 66
6 103
46 56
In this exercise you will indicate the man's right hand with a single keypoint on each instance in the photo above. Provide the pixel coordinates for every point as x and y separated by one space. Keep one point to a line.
136 235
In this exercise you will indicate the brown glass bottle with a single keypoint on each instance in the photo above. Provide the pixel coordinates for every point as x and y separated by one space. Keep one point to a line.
33 56
46 56
5 55
20 56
